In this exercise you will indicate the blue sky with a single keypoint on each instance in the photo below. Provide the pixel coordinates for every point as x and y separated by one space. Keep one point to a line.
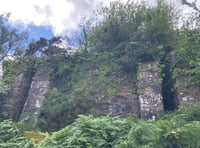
35 32
47 18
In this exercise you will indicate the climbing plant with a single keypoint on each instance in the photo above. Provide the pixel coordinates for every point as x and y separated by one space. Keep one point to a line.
3 99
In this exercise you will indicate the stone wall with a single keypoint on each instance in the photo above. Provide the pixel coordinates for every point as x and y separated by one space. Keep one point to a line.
186 96
149 90
143 99
124 104
146 103
36 95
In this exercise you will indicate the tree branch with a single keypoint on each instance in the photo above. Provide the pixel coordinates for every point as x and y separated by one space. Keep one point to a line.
192 5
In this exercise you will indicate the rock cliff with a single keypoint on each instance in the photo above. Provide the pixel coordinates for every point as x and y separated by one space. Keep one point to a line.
142 98
36 95
18 94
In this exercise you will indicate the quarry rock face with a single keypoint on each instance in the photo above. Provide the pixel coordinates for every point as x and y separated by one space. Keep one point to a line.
145 103
143 99
186 96
19 94
125 104
149 90
36 94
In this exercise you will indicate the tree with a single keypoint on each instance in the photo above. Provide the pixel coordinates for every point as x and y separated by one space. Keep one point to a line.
188 54
11 39
44 47
148 32
120 23
160 25
191 4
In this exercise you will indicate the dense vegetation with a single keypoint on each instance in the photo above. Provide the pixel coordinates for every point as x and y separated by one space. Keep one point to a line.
129 34
111 51
173 130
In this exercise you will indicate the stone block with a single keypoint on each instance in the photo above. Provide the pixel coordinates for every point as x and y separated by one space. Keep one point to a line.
186 96
149 90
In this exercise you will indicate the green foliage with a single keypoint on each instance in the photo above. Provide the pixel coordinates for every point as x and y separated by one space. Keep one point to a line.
172 130
11 39
13 68
9 71
3 88
150 29
90 132
121 22
178 137
160 25
11 136
78 81
128 34
191 113
188 56
44 47
3 94
37 137
51 114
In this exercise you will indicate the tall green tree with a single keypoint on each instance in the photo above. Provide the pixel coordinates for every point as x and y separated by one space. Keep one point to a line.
120 22
11 39
44 46
147 31
188 54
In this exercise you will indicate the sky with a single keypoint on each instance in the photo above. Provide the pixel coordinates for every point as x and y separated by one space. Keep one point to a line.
47 18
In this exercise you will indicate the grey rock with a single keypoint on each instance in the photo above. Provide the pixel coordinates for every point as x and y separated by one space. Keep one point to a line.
186 96
19 93
149 90
36 95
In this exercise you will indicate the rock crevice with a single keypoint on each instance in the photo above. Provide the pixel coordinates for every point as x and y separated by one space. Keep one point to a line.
18 94
36 94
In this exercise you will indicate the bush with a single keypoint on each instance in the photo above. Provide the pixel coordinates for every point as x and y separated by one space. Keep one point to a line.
11 136
174 130
88 131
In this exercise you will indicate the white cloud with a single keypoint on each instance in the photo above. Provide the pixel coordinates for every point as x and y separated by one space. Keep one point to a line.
40 12
59 15
62 15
